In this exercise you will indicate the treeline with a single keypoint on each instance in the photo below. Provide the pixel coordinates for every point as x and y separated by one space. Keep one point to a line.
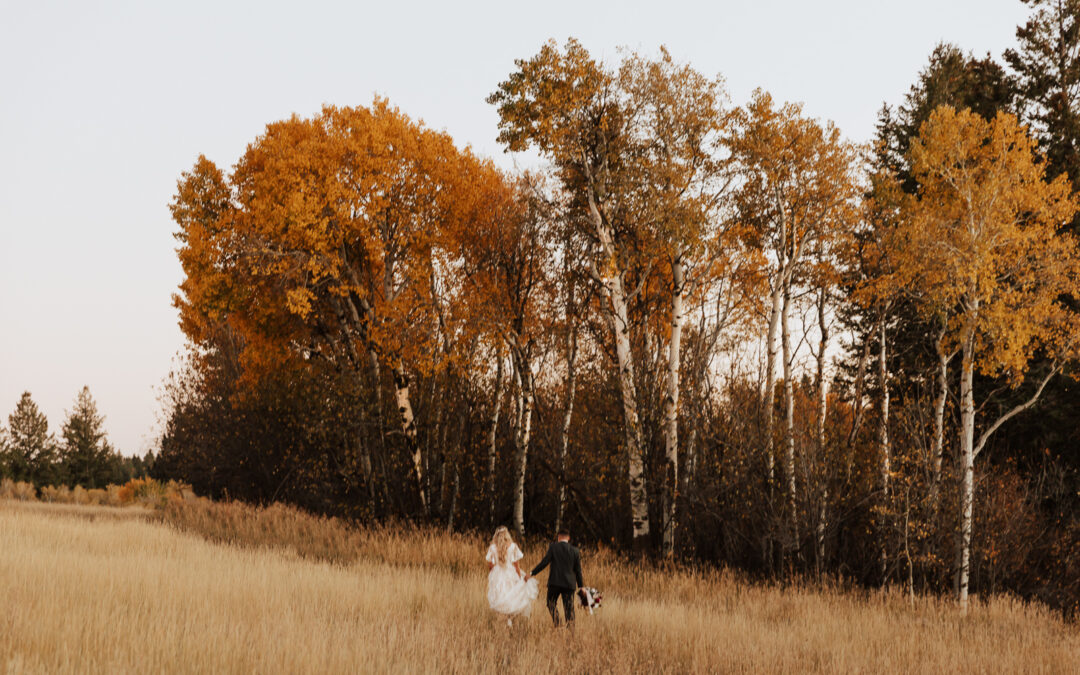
708 331
81 457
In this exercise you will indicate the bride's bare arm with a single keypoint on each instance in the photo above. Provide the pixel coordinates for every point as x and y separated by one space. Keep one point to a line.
517 568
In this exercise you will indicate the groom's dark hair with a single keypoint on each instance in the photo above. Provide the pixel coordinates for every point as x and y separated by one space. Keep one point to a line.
563 532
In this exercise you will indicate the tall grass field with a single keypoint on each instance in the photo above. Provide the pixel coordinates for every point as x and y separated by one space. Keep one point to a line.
207 588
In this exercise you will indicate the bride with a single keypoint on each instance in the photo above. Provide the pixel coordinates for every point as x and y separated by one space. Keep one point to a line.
508 593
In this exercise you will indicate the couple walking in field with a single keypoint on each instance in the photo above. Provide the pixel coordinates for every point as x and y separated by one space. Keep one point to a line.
511 592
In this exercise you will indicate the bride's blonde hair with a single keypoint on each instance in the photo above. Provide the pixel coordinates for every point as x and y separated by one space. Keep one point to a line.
501 541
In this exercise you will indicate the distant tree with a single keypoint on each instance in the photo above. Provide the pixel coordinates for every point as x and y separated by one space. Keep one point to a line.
86 457
141 466
3 452
31 452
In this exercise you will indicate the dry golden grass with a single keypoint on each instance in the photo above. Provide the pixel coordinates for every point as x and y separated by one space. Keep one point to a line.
85 511
126 593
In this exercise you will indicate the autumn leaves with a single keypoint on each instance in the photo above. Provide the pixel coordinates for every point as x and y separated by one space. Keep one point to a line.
667 223
979 251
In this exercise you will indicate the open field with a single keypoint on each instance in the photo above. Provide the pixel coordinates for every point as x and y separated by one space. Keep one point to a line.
99 589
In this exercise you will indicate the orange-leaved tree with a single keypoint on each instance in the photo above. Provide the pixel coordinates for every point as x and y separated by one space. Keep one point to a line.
319 246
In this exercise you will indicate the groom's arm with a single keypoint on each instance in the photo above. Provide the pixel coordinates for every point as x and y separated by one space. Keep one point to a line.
577 569
543 563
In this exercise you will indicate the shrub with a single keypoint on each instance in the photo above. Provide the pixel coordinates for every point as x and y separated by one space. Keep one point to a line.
153 493
24 492
113 495
56 494
97 496
79 496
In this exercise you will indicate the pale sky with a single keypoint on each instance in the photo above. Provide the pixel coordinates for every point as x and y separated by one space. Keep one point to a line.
104 104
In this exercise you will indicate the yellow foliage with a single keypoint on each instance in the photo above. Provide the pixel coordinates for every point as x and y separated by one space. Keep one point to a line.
980 247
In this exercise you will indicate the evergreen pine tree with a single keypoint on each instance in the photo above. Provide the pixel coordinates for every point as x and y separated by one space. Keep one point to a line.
1047 64
86 453
4 470
30 453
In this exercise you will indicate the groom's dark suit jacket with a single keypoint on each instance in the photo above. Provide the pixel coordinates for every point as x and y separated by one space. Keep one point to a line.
565 561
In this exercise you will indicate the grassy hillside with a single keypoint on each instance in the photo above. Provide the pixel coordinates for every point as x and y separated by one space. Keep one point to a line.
104 589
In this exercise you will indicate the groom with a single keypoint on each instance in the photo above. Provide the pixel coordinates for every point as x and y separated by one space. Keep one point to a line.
564 578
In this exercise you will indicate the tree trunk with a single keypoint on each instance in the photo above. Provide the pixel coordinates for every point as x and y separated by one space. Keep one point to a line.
568 410
822 411
686 476
496 406
454 499
369 473
789 422
860 389
671 411
433 451
408 428
522 434
939 412
611 282
967 469
883 439
377 387
639 503
770 379
823 345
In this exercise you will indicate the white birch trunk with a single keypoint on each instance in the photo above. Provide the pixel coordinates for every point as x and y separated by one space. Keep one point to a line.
671 410
639 504
522 434
611 282
789 421
822 388
939 412
772 350
967 469
883 438
822 411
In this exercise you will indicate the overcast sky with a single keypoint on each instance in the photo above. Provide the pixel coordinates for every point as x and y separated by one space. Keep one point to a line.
102 105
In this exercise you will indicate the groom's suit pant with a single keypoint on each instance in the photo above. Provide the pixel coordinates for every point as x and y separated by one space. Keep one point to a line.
567 595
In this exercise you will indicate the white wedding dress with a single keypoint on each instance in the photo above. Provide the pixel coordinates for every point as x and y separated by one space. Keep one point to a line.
507 592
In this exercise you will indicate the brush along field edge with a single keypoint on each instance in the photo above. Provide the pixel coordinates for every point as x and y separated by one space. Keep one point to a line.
134 595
